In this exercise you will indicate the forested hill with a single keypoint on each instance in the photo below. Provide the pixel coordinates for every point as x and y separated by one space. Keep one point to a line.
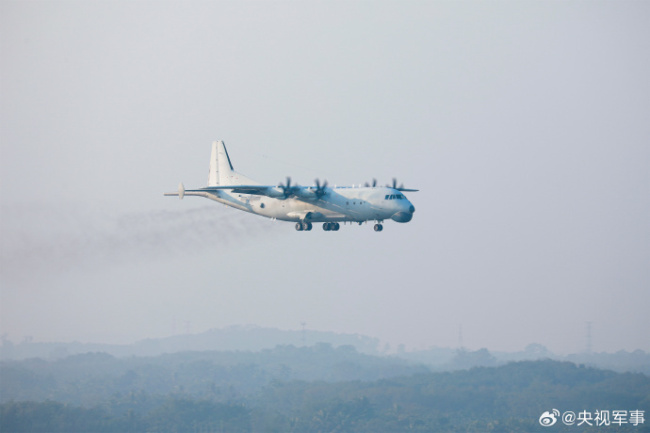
255 339
506 398
93 378
317 389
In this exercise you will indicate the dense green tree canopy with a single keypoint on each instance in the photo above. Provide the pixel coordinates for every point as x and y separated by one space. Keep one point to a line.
318 389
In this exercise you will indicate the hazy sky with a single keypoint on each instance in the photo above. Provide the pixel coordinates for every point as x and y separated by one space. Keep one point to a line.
525 125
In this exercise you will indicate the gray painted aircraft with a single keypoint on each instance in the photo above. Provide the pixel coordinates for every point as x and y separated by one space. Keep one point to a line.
302 204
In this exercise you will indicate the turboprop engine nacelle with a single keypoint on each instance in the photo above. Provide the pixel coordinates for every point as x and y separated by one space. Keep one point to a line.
306 194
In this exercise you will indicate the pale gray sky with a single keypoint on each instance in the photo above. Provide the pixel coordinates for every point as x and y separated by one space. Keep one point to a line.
525 125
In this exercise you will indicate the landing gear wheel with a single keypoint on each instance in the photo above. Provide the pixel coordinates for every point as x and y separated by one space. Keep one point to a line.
303 226
378 227
331 227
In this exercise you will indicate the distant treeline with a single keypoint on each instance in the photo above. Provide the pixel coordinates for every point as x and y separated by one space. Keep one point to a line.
234 338
309 389
255 338
93 378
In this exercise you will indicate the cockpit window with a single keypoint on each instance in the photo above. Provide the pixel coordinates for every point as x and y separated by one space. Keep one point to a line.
395 197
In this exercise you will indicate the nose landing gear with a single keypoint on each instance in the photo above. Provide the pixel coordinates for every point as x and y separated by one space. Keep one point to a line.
378 227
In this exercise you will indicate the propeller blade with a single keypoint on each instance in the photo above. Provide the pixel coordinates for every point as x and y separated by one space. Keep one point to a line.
320 189
287 190
401 186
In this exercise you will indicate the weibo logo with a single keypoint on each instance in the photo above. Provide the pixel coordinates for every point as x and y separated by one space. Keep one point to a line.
549 418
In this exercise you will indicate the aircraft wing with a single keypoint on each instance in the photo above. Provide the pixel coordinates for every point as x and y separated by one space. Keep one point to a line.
407 189
266 190
313 215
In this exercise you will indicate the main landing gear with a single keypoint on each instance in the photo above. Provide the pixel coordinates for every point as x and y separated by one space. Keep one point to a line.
330 227
334 227
307 226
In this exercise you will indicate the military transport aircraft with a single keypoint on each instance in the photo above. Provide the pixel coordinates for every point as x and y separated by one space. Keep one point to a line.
303 204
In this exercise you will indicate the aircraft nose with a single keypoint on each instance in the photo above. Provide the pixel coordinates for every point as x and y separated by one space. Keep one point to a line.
405 214
402 217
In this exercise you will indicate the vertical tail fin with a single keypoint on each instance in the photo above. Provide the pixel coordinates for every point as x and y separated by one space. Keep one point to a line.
213 174
221 170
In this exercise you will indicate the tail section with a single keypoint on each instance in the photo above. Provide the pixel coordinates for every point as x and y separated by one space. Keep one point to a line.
213 174
221 171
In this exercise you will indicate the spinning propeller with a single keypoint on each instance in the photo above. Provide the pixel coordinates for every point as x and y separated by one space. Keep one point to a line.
394 186
287 189
320 189
401 187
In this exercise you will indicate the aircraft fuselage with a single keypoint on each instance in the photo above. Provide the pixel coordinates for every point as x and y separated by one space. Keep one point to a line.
340 204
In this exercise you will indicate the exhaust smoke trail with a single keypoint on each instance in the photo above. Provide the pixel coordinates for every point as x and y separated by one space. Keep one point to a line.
57 238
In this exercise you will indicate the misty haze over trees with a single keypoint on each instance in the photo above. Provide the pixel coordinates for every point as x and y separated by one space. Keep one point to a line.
253 338
301 388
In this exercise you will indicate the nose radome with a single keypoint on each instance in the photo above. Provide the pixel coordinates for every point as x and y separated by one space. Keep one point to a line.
412 209
402 217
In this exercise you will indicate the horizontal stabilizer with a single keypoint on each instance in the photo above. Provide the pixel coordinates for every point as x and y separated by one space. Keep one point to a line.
180 193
